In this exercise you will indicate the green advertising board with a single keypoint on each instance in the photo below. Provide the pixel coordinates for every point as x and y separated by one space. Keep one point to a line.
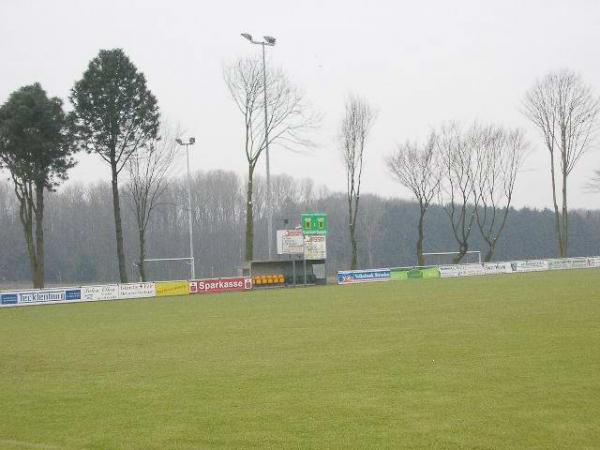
314 223
414 273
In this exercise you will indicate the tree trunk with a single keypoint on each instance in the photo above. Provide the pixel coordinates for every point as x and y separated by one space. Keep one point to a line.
118 225
352 213
38 273
420 257
462 251
249 217
557 220
491 251
565 219
26 217
141 266
354 263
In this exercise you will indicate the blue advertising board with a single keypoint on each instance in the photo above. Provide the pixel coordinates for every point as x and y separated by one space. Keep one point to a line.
73 294
9 299
363 276
49 295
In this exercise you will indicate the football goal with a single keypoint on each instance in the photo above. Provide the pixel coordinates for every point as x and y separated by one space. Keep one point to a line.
159 269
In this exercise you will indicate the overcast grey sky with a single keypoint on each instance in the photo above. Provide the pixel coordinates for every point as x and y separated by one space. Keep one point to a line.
418 63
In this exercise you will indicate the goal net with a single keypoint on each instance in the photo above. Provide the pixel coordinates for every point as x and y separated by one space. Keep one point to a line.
445 258
161 269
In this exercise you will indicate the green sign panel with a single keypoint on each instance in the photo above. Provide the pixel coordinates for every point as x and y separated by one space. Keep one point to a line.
409 274
316 223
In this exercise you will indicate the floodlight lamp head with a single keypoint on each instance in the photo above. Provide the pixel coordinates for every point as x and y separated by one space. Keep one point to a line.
270 40
247 36
179 141
192 140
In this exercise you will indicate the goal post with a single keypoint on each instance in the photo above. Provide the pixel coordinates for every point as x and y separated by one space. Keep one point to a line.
443 258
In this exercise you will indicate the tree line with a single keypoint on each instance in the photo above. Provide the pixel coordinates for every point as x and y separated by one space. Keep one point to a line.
80 229
468 172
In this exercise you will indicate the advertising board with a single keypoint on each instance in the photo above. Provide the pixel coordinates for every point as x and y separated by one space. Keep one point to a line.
363 276
448 271
215 285
315 247
410 273
491 268
579 263
558 264
49 295
166 288
137 290
100 292
9 298
593 261
461 270
290 242
534 265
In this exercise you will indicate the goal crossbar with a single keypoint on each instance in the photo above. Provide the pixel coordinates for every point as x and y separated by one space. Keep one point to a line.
168 259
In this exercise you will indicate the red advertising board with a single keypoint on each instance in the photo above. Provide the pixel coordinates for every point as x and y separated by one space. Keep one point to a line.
213 285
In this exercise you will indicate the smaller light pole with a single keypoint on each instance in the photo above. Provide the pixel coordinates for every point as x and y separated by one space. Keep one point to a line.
187 144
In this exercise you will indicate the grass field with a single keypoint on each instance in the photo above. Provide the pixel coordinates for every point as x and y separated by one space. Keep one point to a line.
491 362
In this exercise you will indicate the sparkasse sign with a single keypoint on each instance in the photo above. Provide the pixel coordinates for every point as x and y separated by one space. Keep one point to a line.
213 285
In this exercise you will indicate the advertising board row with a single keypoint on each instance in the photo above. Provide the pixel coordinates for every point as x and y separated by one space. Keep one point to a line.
532 265
465 270
125 291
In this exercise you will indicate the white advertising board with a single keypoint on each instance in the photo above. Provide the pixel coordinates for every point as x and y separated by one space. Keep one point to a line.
579 263
315 246
593 261
137 290
290 242
448 271
100 292
534 265
461 270
497 267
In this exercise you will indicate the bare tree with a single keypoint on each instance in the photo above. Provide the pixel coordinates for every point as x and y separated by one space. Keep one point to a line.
356 125
565 110
417 167
456 191
148 168
288 119
499 155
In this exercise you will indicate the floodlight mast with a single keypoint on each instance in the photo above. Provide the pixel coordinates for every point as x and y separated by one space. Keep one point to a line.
187 144
268 41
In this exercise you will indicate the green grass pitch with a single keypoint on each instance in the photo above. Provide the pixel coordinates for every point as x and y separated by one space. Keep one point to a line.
492 362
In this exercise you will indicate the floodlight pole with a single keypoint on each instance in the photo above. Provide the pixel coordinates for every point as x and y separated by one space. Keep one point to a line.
187 144
270 41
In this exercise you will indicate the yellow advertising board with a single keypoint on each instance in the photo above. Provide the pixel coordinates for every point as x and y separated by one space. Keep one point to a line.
166 288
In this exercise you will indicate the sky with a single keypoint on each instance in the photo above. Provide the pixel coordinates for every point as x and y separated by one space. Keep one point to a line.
419 64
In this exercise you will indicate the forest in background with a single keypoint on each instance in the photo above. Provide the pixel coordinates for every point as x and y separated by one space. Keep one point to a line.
80 245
